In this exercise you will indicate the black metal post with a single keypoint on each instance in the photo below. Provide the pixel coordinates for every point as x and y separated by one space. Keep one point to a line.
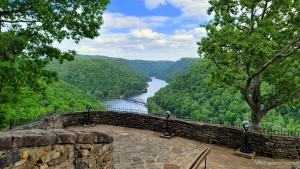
89 122
10 124
246 147
167 133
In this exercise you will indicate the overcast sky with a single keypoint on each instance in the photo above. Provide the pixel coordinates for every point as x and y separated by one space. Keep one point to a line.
147 30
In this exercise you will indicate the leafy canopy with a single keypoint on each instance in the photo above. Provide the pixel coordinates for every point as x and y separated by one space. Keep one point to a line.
28 28
110 77
251 43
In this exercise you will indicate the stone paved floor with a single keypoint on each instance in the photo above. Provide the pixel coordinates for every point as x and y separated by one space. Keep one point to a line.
143 149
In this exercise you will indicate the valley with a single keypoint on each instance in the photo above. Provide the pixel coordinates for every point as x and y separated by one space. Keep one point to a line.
101 81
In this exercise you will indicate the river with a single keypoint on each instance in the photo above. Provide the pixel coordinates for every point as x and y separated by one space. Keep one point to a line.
153 86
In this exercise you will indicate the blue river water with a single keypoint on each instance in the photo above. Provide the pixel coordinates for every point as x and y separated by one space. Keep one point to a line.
153 86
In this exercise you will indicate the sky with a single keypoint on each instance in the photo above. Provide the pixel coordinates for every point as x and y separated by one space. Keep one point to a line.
147 30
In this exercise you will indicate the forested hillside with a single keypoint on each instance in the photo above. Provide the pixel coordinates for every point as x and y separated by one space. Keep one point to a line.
59 95
189 95
176 69
90 56
150 68
103 77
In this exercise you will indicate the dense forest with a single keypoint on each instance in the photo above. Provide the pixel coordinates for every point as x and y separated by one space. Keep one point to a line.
189 95
87 79
176 69
150 68
103 77
59 95
147 67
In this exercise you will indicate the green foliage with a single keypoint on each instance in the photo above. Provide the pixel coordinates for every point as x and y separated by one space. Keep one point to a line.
150 68
29 28
58 96
176 69
255 43
189 95
27 31
103 77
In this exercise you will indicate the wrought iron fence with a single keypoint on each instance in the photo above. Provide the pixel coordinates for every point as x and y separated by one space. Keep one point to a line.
232 124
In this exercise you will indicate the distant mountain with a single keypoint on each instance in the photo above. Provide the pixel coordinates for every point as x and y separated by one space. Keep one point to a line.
150 68
176 69
90 56
104 77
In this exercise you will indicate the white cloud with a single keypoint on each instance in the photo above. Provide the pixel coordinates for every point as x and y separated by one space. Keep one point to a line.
192 8
145 33
142 40
118 20
143 44
196 9
151 4
190 25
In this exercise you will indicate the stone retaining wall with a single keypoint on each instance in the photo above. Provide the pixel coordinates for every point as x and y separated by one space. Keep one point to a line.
57 148
265 145
51 122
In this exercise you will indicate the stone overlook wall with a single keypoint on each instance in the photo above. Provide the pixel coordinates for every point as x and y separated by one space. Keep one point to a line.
51 122
265 145
55 148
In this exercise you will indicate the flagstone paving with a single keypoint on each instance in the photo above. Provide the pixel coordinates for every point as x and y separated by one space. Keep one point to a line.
143 149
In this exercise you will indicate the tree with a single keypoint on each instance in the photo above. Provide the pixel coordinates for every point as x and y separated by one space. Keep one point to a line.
28 28
255 43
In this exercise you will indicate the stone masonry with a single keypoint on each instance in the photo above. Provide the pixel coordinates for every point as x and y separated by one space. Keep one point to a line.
274 146
56 148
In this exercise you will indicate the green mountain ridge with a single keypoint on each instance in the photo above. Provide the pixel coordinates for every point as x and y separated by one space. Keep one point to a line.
176 69
189 95
150 68
103 77
147 67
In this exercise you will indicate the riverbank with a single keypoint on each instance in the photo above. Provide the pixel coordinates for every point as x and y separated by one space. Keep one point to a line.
153 86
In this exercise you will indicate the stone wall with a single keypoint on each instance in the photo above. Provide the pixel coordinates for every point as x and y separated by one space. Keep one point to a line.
51 122
57 148
265 145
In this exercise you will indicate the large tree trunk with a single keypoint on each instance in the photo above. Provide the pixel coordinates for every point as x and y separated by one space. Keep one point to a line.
256 113
256 117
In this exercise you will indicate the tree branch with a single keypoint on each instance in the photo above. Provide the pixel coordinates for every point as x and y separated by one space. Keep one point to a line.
217 63
240 27
275 104
279 55
266 109
248 67
28 35
297 94
21 9
264 10
17 21
245 93
238 86
275 95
